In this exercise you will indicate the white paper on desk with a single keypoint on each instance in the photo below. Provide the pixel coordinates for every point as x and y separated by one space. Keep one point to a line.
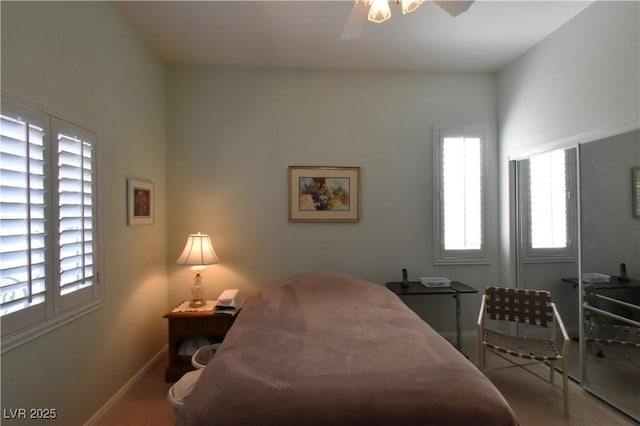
594 277
435 281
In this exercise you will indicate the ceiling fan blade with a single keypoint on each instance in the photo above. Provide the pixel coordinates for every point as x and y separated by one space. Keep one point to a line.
454 7
355 22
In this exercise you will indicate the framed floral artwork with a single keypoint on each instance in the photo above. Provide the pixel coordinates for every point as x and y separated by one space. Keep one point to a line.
140 201
324 194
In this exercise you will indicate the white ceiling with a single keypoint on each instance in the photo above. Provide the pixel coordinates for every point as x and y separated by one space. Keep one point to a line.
307 33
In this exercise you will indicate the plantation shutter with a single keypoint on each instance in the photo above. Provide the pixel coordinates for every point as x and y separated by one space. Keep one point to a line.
548 200
23 205
459 178
75 205
547 206
48 223
462 193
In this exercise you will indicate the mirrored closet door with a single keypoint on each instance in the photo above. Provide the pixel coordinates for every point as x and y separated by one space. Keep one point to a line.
547 235
578 236
611 271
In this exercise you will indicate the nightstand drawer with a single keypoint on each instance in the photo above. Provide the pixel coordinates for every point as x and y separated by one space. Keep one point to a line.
215 325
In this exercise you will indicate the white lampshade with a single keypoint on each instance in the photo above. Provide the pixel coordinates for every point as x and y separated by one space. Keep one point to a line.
198 251
379 11
409 6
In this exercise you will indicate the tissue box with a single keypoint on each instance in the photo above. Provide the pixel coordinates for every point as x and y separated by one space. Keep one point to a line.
435 281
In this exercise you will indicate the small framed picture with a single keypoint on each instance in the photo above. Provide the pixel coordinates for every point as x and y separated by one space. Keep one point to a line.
140 201
324 194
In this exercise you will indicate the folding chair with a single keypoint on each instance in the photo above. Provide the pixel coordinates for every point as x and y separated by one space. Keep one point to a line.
527 307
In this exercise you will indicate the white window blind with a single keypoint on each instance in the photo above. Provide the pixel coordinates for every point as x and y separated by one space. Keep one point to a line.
460 195
47 224
22 220
547 207
75 210
548 200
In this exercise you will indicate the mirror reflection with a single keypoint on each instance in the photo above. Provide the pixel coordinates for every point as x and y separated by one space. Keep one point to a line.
561 205
611 271
547 229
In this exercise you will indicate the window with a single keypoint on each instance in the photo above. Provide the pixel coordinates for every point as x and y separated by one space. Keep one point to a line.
460 217
547 206
48 222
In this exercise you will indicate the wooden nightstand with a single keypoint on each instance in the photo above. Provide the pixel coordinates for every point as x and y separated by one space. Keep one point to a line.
191 324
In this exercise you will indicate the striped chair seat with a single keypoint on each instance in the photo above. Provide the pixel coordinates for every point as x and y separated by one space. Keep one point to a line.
614 334
527 348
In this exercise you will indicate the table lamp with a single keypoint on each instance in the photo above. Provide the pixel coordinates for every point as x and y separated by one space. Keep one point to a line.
198 252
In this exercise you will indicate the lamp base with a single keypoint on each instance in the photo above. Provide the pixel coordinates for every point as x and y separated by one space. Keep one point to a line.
197 303
197 289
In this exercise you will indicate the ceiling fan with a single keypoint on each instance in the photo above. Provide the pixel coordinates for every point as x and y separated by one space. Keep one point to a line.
378 11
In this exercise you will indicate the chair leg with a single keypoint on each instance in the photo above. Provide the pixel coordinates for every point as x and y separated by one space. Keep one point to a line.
480 347
565 387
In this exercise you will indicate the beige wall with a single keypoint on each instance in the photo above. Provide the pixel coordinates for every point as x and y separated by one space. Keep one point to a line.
233 132
221 168
581 82
82 61
583 77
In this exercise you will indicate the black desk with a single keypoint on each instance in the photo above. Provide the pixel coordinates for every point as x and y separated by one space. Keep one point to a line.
624 291
614 283
416 288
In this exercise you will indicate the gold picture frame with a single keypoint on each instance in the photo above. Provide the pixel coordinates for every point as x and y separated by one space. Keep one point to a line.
140 202
324 194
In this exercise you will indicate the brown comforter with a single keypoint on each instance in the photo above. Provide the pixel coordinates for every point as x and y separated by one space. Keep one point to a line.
331 349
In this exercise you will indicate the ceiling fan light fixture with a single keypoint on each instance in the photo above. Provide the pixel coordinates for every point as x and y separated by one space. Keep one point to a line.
379 11
409 6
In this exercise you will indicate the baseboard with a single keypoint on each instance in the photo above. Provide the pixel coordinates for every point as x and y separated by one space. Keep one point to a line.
127 386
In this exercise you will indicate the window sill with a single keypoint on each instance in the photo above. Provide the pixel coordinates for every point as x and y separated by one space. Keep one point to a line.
462 262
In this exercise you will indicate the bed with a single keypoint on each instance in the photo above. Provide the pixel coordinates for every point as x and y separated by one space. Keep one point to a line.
332 349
